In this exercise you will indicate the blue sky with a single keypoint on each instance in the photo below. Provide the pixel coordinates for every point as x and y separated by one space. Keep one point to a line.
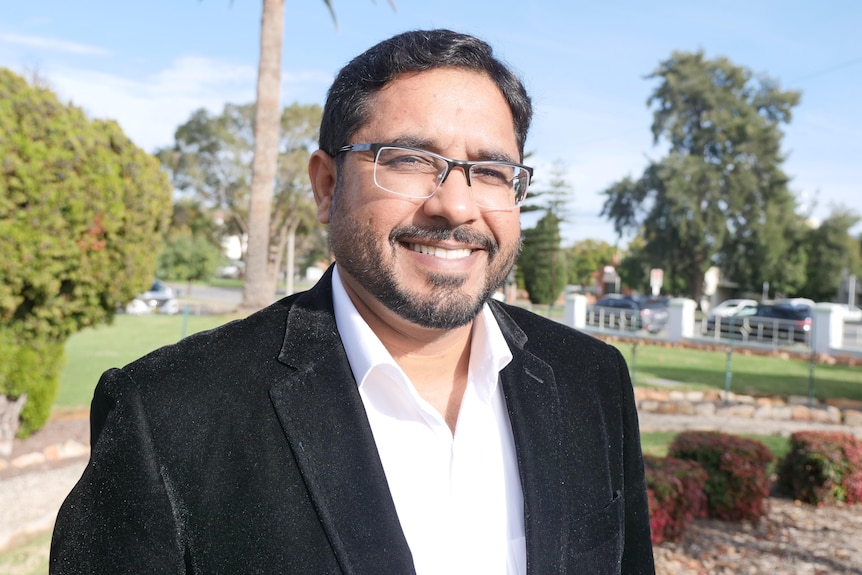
148 65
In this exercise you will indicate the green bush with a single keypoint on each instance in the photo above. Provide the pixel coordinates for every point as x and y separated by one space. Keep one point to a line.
738 470
82 215
675 490
822 468
33 368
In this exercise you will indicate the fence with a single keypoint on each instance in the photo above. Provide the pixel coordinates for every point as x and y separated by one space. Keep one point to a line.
826 332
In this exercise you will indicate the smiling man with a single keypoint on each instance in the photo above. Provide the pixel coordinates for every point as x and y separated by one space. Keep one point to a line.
394 418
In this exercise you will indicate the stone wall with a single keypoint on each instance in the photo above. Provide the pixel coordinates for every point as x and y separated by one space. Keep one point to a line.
721 404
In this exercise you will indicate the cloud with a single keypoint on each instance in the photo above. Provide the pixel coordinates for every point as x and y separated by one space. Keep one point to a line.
53 45
150 107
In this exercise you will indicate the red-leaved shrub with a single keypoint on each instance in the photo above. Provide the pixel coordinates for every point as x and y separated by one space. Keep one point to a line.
822 468
675 492
738 470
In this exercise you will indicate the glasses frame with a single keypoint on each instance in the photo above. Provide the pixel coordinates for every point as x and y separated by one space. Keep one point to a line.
465 165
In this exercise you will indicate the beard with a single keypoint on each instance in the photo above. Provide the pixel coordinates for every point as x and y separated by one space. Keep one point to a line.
443 304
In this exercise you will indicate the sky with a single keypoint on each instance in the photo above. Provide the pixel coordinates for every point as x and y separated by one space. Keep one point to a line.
149 65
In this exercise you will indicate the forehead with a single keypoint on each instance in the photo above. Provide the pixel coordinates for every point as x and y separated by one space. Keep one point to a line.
445 106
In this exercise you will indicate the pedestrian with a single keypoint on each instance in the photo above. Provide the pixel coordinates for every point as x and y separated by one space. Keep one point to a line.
395 418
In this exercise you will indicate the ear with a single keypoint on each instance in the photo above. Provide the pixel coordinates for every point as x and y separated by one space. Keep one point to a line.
323 172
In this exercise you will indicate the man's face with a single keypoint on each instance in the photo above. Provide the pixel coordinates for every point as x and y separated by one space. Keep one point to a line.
432 261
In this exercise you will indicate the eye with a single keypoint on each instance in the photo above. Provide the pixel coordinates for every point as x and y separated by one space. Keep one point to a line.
493 174
407 160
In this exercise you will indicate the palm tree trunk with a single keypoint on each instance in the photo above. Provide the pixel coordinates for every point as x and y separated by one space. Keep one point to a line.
260 283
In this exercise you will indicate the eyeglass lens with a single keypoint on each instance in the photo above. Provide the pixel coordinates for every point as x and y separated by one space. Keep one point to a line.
418 174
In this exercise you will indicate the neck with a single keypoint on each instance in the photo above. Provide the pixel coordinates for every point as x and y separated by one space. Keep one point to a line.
435 360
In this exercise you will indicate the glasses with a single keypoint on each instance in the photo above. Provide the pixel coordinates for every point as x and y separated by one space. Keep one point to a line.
418 173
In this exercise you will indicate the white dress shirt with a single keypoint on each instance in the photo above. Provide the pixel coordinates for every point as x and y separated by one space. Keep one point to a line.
459 498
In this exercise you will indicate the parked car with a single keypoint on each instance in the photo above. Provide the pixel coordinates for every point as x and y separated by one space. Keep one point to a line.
769 322
794 301
160 298
729 307
630 312
232 270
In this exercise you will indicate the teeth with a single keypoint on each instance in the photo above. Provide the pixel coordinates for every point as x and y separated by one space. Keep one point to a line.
441 252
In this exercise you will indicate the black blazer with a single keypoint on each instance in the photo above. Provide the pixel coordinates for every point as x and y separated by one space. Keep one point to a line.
246 449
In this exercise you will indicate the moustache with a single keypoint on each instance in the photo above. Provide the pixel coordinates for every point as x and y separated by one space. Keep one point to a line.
465 235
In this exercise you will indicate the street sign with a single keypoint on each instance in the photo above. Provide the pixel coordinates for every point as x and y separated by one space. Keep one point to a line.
656 278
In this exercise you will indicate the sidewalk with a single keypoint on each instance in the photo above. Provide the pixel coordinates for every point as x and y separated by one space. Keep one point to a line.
30 501
738 425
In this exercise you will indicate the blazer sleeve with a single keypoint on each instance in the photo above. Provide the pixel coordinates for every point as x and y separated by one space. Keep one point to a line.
637 551
119 518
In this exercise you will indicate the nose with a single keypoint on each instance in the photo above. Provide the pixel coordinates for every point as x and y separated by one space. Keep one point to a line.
453 200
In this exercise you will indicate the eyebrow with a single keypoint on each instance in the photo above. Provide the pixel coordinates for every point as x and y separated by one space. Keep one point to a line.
426 144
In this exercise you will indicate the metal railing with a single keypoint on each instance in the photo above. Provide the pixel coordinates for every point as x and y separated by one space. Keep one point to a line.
612 318
755 329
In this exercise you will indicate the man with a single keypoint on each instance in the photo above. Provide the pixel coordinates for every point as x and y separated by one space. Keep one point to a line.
393 419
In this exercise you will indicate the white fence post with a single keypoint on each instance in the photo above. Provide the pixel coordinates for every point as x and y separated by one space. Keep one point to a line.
680 319
827 327
575 314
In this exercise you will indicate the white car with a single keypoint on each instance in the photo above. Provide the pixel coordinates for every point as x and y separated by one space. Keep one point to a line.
729 307
160 298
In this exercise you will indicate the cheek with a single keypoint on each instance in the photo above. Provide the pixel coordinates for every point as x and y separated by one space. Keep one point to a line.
506 227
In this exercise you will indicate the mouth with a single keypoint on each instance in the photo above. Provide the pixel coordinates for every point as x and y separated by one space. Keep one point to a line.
444 243
439 252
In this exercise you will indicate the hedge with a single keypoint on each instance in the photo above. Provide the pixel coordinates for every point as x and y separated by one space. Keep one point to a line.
822 468
675 489
738 470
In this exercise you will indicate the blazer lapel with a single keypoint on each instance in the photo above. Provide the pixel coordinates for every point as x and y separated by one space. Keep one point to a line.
534 410
325 423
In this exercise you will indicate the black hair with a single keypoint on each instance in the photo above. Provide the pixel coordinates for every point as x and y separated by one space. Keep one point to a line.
347 102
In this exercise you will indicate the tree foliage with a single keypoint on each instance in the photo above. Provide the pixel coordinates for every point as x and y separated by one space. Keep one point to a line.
586 258
82 215
189 258
211 161
719 197
831 247
542 263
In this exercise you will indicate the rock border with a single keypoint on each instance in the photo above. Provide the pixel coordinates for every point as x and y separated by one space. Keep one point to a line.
729 404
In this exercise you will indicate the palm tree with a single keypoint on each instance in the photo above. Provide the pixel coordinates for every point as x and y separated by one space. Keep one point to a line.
261 264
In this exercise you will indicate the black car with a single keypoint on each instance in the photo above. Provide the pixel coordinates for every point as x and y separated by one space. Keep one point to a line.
768 322
630 312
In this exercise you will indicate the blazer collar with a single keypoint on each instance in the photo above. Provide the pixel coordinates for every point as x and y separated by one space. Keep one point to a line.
325 423
535 413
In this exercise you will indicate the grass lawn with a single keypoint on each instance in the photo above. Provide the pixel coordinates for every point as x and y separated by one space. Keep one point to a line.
92 351
30 558
751 374
657 442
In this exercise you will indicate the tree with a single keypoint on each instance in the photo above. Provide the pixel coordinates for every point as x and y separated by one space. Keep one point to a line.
211 161
585 258
831 253
82 216
189 258
720 196
542 263
259 286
